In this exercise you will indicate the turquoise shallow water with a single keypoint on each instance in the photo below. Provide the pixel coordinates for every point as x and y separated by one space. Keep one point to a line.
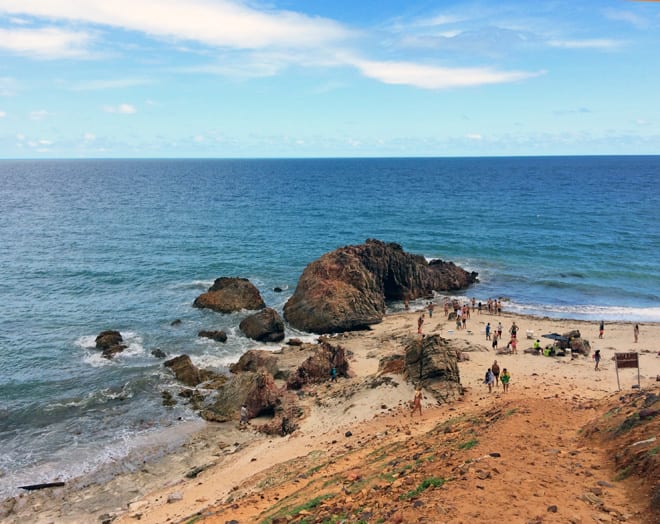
128 245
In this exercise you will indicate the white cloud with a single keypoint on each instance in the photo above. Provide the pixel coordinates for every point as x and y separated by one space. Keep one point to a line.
117 83
122 109
3 114
218 23
47 43
594 43
89 137
432 77
39 114
474 136
628 17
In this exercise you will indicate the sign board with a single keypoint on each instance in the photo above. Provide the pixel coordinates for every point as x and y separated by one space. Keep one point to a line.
626 360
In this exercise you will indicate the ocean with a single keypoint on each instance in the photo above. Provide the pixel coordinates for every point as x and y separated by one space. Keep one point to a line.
89 245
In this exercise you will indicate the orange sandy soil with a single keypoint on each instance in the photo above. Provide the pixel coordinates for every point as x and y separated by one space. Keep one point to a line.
520 457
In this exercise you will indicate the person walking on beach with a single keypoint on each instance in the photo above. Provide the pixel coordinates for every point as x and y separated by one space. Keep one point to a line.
417 401
499 330
505 379
495 368
244 416
488 331
636 332
489 380
601 329
431 307
514 330
420 323
597 359
494 344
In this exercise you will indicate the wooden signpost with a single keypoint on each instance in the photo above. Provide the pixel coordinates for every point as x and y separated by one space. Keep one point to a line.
626 360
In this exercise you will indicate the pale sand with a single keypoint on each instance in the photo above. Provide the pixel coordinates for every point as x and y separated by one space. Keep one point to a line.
333 409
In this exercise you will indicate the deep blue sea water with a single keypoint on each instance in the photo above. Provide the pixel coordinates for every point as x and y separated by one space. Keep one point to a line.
88 245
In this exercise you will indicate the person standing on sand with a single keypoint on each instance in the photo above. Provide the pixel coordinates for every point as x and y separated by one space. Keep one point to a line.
514 346
494 344
601 329
597 359
489 380
499 330
417 401
505 379
431 307
420 323
636 332
488 331
495 368
244 416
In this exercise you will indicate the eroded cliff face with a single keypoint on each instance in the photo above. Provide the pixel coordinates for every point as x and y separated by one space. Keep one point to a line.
347 289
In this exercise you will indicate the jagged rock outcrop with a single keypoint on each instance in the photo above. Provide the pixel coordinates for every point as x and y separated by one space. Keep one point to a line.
264 326
257 390
185 371
110 342
227 295
432 362
576 343
316 368
254 360
347 289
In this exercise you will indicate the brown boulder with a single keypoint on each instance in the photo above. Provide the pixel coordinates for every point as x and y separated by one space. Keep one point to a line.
257 390
432 362
218 336
346 289
110 342
264 326
227 295
316 368
185 371
254 360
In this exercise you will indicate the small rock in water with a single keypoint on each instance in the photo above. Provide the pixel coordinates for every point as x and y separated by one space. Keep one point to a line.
158 353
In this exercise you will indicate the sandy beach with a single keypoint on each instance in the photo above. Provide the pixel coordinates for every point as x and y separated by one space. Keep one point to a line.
221 466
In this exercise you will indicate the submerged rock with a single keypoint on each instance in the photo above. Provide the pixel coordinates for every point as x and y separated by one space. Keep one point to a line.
346 289
110 342
185 371
218 336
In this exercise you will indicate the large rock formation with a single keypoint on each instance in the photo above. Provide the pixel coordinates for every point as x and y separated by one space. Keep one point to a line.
227 295
264 326
346 289
316 368
432 362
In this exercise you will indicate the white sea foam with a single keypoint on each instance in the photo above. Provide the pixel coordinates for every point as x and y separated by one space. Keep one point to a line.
588 312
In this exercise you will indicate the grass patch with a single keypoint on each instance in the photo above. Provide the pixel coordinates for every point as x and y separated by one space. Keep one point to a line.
624 473
654 451
426 483
469 444
511 412
294 512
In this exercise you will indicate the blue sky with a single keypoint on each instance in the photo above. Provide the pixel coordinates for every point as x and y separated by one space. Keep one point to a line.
287 78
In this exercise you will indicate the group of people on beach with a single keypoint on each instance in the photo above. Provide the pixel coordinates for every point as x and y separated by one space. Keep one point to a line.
496 334
494 377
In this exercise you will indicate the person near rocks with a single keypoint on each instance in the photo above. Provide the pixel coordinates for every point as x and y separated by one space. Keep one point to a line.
489 380
446 307
488 331
495 368
431 307
597 359
636 332
417 401
333 374
505 379
406 304
420 323
244 416
601 329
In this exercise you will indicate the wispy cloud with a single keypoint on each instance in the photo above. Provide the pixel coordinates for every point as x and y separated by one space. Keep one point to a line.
3 114
593 43
39 114
218 23
45 43
627 17
122 109
117 83
432 77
